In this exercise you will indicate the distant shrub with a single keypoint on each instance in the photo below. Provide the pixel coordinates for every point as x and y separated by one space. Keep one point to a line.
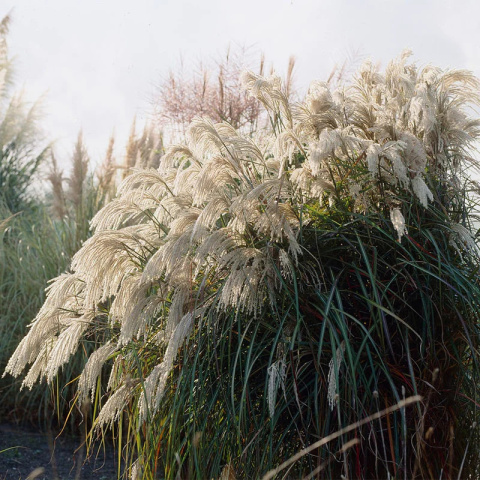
215 91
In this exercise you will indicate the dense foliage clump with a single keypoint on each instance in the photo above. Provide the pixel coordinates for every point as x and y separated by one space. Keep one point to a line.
256 293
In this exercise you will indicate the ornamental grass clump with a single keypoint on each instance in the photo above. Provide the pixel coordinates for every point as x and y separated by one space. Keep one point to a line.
255 294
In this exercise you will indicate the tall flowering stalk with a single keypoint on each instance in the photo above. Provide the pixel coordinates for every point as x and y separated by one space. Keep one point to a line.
257 293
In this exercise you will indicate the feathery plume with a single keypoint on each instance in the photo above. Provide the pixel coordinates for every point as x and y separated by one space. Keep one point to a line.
76 181
333 375
91 372
55 177
398 222
276 379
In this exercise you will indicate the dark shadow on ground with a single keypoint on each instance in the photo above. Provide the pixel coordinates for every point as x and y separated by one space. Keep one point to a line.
24 450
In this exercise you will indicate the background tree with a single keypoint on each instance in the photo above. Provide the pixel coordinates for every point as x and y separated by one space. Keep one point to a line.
214 90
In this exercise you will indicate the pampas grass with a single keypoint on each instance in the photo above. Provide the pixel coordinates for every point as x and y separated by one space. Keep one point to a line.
258 292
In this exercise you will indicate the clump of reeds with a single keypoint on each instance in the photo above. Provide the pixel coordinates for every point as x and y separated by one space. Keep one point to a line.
22 146
144 151
256 293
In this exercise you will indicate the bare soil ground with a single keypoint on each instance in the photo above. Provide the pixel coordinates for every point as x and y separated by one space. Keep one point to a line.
24 450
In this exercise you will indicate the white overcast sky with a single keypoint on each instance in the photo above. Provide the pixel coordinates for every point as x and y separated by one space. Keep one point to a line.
98 61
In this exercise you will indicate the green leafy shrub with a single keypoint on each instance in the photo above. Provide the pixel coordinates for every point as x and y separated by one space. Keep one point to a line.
253 295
